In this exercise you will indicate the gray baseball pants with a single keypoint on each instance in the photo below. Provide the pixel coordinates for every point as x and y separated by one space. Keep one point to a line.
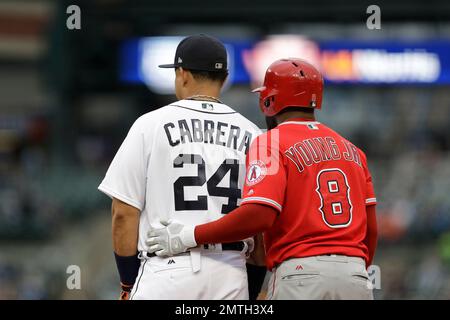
321 278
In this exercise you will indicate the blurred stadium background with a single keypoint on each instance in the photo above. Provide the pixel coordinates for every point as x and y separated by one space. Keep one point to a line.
68 97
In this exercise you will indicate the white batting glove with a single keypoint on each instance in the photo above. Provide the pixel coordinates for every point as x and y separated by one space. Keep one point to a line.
173 239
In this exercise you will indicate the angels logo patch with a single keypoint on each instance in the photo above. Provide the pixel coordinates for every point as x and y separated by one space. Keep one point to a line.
256 172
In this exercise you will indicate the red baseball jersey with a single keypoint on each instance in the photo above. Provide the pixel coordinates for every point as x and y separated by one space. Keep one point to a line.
320 184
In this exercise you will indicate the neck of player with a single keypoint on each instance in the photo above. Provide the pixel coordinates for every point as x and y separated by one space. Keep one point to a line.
202 91
289 115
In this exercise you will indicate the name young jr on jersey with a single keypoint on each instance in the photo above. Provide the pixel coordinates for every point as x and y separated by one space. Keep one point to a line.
315 150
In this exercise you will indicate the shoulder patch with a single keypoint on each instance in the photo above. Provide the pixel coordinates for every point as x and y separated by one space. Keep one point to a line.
256 172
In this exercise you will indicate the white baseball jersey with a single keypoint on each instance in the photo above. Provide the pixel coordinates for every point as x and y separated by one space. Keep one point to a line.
184 161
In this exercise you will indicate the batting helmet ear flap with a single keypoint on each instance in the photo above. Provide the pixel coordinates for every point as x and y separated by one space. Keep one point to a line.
267 98
268 102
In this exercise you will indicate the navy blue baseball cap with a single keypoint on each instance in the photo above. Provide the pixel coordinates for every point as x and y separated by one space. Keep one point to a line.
201 53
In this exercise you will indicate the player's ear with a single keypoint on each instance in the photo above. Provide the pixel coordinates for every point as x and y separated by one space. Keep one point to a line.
184 74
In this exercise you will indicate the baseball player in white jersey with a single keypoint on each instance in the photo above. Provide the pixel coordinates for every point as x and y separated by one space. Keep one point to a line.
183 161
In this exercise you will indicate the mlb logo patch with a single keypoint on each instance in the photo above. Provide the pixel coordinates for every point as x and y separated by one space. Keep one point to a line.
207 106
312 126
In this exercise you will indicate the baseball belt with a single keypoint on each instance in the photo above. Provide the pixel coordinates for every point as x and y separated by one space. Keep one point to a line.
234 246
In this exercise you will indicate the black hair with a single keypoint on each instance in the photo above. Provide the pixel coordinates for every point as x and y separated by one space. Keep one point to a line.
216 76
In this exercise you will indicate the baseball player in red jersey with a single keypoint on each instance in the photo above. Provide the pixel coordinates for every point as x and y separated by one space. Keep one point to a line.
307 188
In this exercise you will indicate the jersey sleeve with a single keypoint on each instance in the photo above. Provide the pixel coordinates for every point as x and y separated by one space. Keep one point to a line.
265 181
126 176
370 192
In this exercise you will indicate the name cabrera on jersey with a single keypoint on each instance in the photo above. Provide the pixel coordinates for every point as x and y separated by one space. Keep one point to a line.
207 131
184 161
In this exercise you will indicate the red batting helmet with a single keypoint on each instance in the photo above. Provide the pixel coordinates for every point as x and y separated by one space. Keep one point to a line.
290 83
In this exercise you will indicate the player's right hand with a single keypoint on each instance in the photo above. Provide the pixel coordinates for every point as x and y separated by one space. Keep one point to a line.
173 239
